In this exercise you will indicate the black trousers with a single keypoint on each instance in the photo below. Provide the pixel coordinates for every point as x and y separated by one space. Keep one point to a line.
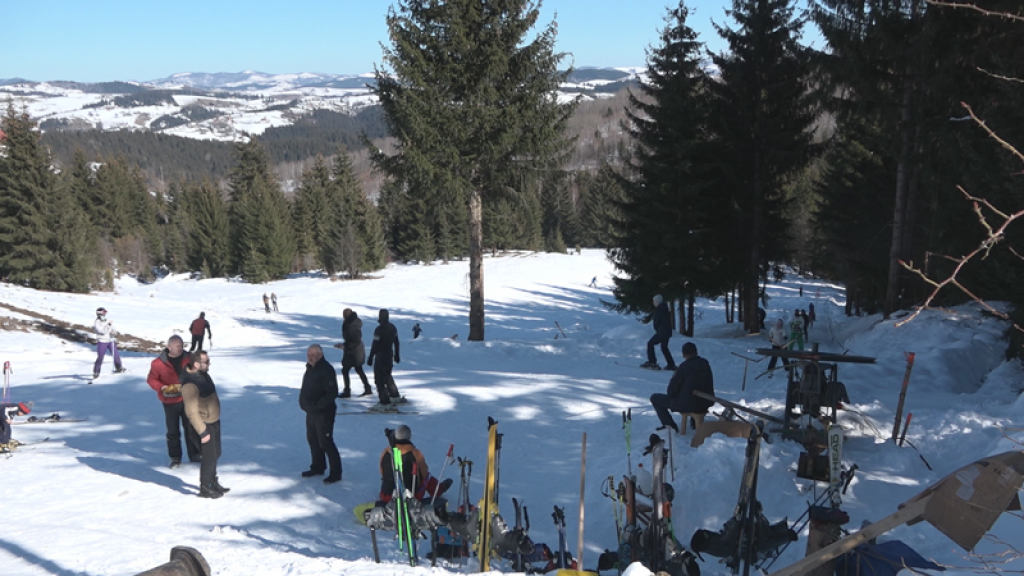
774 360
385 382
320 437
211 453
174 417
663 340
197 342
348 362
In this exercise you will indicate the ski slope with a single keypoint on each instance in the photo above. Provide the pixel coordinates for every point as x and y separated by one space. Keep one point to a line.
97 498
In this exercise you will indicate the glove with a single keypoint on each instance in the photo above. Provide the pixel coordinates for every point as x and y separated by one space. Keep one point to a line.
398 360
171 391
369 362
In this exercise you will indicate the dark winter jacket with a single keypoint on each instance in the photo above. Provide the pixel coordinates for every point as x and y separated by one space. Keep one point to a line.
692 375
385 338
319 388
410 455
352 332
163 373
661 320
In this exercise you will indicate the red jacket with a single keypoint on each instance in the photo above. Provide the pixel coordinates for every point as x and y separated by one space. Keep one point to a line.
161 374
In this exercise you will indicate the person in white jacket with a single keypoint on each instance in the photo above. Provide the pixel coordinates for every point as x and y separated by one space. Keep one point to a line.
105 340
779 339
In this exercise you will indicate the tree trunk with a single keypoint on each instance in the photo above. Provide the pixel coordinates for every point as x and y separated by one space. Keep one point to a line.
690 302
728 309
476 266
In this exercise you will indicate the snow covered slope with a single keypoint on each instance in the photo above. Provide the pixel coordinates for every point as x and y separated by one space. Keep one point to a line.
98 498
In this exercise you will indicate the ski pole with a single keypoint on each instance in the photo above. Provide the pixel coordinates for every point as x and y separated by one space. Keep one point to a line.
451 447
903 435
671 452
583 484
903 395
7 381
627 425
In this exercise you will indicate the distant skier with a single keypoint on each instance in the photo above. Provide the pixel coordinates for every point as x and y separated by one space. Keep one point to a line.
693 375
273 300
354 352
761 315
593 282
662 321
386 350
811 317
779 340
796 330
416 330
105 340
806 320
424 483
8 410
266 303
199 328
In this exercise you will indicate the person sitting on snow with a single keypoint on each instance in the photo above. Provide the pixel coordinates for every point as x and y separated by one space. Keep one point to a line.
423 483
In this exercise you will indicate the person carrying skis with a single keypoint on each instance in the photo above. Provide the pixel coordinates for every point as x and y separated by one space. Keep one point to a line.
199 328
662 321
202 406
105 340
354 352
796 330
316 399
779 340
693 375
423 482
165 378
385 340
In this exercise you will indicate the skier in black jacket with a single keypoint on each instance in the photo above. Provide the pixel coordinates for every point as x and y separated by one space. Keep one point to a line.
694 374
354 355
385 339
662 321
316 398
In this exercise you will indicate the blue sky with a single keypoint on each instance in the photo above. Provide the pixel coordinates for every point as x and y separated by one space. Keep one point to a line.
149 39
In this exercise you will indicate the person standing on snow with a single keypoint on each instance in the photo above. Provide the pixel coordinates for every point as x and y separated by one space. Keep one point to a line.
199 328
316 399
780 341
796 330
273 300
202 406
165 378
810 315
693 375
662 321
385 340
424 483
266 303
354 352
105 340
416 330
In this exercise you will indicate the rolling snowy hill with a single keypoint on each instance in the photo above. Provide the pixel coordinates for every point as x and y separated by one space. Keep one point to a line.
97 498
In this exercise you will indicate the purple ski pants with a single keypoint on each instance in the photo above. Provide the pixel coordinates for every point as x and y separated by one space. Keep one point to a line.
101 351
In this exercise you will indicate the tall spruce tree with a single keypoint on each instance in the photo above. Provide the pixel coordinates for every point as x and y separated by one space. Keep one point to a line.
670 230
471 102
45 240
599 196
208 230
762 112
262 246
316 215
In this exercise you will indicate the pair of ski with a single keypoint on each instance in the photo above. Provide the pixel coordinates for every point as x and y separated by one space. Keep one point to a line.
54 418
368 411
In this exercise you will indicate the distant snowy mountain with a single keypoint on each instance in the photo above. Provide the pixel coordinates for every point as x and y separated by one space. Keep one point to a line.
227 106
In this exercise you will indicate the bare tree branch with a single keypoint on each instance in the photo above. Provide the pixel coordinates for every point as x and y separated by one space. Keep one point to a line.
1000 76
976 9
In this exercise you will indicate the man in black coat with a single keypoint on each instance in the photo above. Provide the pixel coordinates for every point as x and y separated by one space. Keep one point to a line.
694 374
662 321
354 353
385 350
316 398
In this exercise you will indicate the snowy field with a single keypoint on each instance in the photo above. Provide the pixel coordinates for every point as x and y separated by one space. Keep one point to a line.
98 498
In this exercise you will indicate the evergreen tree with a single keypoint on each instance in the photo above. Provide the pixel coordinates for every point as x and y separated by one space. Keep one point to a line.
208 230
470 102
599 196
315 215
44 238
672 215
762 112
261 240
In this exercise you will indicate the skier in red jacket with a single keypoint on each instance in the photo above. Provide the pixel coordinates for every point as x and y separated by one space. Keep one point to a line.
199 329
